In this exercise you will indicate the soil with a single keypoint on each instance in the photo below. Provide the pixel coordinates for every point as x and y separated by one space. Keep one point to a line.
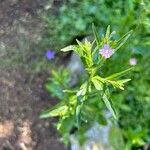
21 101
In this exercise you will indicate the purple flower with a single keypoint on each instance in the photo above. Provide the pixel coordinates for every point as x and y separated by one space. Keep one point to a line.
50 54
106 51
133 61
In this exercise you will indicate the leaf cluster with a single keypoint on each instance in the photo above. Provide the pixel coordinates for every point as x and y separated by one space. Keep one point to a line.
81 106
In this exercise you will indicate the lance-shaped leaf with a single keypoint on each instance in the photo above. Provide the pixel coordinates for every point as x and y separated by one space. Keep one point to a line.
109 106
55 90
119 83
96 35
107 32
123 39
83 89
69 91
115 84
69 48
100 79
119 74
123 81
81 45
58 110
78 114
98 85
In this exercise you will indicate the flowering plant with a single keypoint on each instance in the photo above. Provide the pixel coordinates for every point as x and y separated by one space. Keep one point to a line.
81 106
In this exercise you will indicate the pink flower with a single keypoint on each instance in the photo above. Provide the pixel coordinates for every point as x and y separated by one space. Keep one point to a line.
133 61
106 51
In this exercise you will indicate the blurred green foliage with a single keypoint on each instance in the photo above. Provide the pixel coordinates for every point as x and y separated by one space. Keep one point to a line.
59 81
75 18
133 105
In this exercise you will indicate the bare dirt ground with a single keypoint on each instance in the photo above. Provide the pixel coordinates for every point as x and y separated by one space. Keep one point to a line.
21 102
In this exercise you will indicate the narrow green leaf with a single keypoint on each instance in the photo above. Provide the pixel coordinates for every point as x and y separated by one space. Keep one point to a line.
98 85
81 92
87 44
123 81
99 78
119 83
55 90
78 112
123 39
57 110
109 106
126 34
69 91
90 88
96 35
80 44
119 74
116 84
95 50
123 42
69 48
108 32
83 89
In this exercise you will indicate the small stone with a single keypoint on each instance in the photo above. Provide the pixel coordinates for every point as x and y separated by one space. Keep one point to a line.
46 124
39 126
12 109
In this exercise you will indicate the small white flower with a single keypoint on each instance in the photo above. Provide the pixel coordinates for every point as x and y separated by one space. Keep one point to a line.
133 61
